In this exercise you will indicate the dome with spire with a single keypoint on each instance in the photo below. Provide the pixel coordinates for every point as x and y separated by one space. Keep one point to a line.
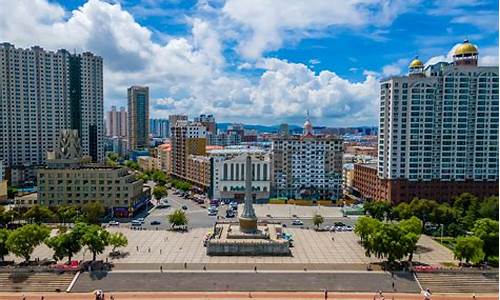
416 63
308 127
466 49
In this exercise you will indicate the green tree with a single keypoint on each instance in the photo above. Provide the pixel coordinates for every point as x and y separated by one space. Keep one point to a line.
38 214
444 214
22 241
132 165
95 238
4 250
318 220
469 248
402 211
159 177
365 226
66 213
489 208
65 245
9 216
160 191
177 218
411 231
423 209
117 240
93 212
387 243
487 231
377 209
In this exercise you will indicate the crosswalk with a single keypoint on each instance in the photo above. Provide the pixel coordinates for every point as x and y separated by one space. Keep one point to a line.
457 282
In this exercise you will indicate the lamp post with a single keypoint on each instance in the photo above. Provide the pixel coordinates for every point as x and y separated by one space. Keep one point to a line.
442 226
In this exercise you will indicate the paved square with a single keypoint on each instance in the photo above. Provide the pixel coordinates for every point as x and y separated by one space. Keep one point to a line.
310 247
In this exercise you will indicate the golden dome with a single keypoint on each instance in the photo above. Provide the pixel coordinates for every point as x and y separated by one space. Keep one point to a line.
466 48
416 63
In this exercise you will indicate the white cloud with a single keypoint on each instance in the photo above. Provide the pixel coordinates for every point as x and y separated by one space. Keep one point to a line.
266 22
396 68
188 74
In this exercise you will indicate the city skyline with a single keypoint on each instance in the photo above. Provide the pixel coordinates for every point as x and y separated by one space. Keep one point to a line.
196 57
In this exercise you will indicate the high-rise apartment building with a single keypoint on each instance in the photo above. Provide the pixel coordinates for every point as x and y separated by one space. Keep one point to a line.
208 121
159 128
172 119
116 122
43 92
439 130
307 166
187 139
138 117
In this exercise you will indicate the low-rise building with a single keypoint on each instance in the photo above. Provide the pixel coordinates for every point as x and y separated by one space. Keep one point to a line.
149 163
165 157
365 181
67 180
228 182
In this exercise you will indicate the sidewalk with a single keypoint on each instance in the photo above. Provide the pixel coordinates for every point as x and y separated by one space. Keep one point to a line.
238 295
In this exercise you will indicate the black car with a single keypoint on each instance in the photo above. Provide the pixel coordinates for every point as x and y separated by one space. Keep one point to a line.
184 207
155 222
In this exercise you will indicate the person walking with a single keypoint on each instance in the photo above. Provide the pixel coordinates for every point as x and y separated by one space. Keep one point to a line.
427 294
326 294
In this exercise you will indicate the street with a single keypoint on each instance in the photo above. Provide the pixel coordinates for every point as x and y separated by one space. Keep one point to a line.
198 216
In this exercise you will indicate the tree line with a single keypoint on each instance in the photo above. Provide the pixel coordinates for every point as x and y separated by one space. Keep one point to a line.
23 241
470 221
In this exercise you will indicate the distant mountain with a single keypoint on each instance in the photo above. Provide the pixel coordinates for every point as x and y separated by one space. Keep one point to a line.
258 128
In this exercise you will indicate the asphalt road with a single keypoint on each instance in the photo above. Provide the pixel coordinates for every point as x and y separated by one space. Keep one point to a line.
198 216
249 281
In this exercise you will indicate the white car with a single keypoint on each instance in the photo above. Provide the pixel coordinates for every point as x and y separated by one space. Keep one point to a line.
297 222
348 228
113 223
136 223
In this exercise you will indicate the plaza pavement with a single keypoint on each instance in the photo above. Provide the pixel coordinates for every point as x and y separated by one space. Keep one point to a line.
287 211
147 249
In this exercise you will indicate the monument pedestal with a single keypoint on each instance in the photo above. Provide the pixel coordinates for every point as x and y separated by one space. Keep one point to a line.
229 240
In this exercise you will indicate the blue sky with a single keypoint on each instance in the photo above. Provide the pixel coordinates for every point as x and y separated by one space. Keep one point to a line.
256 61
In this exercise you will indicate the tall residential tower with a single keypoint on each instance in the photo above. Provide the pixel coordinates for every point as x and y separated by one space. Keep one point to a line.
41 93
138 117
439 130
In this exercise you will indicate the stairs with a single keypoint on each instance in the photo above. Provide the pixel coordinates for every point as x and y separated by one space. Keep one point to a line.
459 282
34 282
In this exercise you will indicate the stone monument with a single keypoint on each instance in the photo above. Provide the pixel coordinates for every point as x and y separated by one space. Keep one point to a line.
247 237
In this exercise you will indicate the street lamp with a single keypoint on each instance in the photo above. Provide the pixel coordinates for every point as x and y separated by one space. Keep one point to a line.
442 226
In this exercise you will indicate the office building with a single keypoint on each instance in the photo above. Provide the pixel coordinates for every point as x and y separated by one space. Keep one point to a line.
69 179
223 139
159 128
138 117
43 92
116 122
307 166
439 130
208 121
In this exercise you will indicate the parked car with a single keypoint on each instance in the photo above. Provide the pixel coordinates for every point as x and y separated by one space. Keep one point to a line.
140 220
136 223
230 213
348 228
184 207
113 223
155 222
297 222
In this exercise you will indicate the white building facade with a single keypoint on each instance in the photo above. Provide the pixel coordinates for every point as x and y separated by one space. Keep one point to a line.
228 176
440 123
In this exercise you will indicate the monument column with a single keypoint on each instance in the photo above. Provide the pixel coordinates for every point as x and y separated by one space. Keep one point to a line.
248 219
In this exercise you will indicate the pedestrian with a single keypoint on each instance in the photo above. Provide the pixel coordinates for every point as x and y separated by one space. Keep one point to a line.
185 265
149 250
333 238
473 296
255 268
427 294
42 298
160 251
137 247
326 294
161 269
393 286
112 297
